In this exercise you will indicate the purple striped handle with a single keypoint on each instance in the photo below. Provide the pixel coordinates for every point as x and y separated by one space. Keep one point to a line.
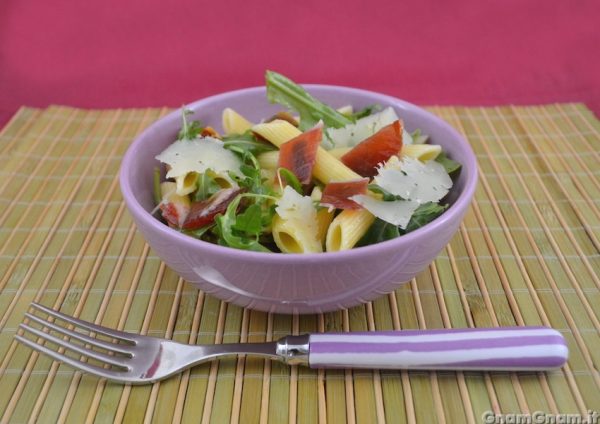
505 348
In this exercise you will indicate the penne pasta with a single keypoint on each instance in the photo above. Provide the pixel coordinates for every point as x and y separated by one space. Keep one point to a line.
223 180
338 152
234 123
269 176
268 160
324 215
327 168
277 132
293 237
324 218
347 229
185 184
316 194
167 188
423 152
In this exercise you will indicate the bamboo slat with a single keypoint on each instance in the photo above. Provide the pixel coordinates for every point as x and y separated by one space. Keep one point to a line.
527 253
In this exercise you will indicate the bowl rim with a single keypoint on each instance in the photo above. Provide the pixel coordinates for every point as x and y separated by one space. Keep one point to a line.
458 207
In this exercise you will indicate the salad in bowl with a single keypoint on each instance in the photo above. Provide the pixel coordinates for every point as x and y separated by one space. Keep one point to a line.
308 179
298 199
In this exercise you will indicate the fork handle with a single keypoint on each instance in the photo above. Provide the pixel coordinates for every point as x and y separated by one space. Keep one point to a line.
506 349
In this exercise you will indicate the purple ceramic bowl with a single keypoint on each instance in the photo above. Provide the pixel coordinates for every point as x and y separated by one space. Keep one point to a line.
294 283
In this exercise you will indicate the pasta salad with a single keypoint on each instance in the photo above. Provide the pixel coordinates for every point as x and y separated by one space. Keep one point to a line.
309 179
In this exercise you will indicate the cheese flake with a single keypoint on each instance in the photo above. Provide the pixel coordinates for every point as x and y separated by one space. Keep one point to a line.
184 156
407 137
416 182
352 134
412 179
397 212
294 206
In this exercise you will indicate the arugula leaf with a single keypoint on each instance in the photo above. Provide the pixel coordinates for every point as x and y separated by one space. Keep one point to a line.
206 187
291 179
244 230
246 142
249 221
289 94
366 111
229 236
451 166
189 130
379 231
424 214
268 214
251 180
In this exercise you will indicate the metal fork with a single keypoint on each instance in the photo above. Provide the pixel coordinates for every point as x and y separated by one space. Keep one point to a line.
137 359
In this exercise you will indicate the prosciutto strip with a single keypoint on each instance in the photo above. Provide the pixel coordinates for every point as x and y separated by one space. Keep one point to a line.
204 212
337 194
300 153
365 156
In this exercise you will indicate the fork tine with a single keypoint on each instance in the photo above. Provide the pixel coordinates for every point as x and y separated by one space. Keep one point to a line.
112 360
113 347
126 337
82 366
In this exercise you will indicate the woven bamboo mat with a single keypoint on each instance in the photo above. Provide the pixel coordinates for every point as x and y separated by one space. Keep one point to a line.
528 253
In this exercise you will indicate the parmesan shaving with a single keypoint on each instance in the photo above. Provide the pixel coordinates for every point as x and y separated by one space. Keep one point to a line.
407 138
397 212
184 156
412 179
352 134
416 182
292 206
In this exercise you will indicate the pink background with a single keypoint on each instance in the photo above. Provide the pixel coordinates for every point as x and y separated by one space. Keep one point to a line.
92 53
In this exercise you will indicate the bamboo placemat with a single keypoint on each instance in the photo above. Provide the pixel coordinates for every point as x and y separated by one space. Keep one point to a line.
528 253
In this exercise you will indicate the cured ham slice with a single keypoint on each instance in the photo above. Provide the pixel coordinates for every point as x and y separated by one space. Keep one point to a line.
300 153
368 154
204 212
174 208
337 194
